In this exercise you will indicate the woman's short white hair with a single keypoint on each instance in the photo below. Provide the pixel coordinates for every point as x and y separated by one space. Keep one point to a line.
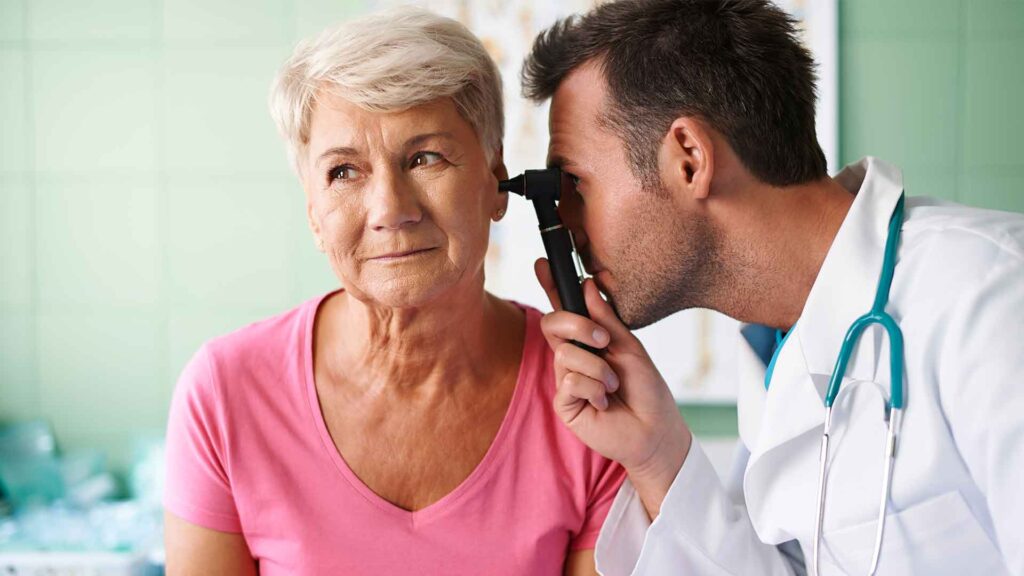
390 61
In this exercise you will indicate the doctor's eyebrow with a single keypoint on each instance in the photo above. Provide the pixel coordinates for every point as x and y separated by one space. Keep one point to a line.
556 160
562 163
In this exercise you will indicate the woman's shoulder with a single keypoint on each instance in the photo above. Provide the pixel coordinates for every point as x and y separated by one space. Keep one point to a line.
533 315
536 352
270 335
537 369
263 347
593 478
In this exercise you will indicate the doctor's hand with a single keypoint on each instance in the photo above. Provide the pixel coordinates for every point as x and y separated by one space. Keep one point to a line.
616 403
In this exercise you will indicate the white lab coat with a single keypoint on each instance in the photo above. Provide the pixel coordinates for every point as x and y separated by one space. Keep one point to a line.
957 503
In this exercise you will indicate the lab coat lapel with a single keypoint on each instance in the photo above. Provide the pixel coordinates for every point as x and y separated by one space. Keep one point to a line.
752 356
846 285
793 407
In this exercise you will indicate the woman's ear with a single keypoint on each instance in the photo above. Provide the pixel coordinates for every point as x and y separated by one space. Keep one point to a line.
498 164
687 158
501 173
314 225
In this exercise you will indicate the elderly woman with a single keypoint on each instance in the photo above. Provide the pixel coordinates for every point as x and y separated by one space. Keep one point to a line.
402 423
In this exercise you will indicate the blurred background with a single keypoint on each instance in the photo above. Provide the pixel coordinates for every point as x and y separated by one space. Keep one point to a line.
146 205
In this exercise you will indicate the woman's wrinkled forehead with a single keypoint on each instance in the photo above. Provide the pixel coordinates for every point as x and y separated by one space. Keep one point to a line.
337 123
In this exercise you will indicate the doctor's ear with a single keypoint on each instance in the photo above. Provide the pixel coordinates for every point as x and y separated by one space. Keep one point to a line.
686 158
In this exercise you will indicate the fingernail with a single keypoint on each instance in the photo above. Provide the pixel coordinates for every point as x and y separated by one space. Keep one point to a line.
600 336
613 383
602 403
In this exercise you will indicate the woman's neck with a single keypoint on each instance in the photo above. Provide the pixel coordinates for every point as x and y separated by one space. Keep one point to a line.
467 336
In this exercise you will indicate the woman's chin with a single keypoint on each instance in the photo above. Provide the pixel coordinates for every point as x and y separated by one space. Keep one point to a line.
409 291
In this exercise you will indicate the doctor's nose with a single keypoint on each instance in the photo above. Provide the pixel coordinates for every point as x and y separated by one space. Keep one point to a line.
392 203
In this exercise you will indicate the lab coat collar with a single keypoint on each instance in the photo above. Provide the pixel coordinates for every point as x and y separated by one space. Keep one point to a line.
844 290
846 284
792 413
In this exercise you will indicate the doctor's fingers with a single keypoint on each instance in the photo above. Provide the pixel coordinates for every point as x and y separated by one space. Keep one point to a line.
543 271
574 390
602 313
571 358
561 326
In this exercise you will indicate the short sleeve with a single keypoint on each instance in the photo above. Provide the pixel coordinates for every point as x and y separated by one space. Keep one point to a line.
608 477
197 487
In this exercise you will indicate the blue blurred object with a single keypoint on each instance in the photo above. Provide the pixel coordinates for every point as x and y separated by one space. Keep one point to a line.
33 474
125 526
62 513
146 478
30 472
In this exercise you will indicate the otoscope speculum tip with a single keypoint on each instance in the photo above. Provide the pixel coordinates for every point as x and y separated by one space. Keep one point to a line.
514 185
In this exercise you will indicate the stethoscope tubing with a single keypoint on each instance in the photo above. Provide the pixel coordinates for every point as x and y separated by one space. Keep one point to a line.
895 404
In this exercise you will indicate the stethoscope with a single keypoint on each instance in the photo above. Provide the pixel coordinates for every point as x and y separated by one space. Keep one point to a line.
894 407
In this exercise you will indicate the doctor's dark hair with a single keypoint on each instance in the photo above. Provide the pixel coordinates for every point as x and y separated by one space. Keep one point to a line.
736 64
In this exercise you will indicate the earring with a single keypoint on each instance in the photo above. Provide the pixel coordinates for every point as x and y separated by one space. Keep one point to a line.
499 214
320 244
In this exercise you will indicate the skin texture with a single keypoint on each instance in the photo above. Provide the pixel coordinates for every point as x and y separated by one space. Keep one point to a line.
401 203
712 236
647 271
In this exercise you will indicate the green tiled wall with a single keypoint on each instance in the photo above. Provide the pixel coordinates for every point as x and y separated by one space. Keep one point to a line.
935 86
146 204
145 200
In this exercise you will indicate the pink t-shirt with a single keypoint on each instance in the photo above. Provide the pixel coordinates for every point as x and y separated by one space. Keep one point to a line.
248 451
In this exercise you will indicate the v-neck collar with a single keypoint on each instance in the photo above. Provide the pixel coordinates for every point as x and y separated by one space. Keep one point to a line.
499 446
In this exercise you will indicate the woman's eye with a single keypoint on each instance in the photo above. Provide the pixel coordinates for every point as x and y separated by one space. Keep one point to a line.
426 159
345 172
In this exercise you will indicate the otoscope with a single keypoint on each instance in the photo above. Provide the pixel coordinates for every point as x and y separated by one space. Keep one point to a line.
544 189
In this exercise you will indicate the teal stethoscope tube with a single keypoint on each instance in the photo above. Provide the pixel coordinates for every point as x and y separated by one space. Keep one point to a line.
894 408
895 404
877 314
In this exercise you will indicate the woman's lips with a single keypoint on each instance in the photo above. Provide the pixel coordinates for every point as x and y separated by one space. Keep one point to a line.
401 255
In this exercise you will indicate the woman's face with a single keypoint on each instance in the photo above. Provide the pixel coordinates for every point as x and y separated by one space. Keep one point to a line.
402 201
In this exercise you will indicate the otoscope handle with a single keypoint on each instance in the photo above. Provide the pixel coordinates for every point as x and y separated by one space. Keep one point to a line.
543 188
558 246
563 270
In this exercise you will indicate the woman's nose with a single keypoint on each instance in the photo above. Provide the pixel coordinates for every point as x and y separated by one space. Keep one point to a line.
393 203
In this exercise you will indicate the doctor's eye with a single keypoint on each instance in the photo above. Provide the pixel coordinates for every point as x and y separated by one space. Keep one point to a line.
574 179
425 159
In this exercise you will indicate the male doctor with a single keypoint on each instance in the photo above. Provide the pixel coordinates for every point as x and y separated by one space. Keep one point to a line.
688 130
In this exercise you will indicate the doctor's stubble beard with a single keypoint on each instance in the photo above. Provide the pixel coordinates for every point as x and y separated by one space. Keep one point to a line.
670 264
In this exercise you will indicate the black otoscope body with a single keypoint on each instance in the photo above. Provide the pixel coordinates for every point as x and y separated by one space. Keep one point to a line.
544 189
